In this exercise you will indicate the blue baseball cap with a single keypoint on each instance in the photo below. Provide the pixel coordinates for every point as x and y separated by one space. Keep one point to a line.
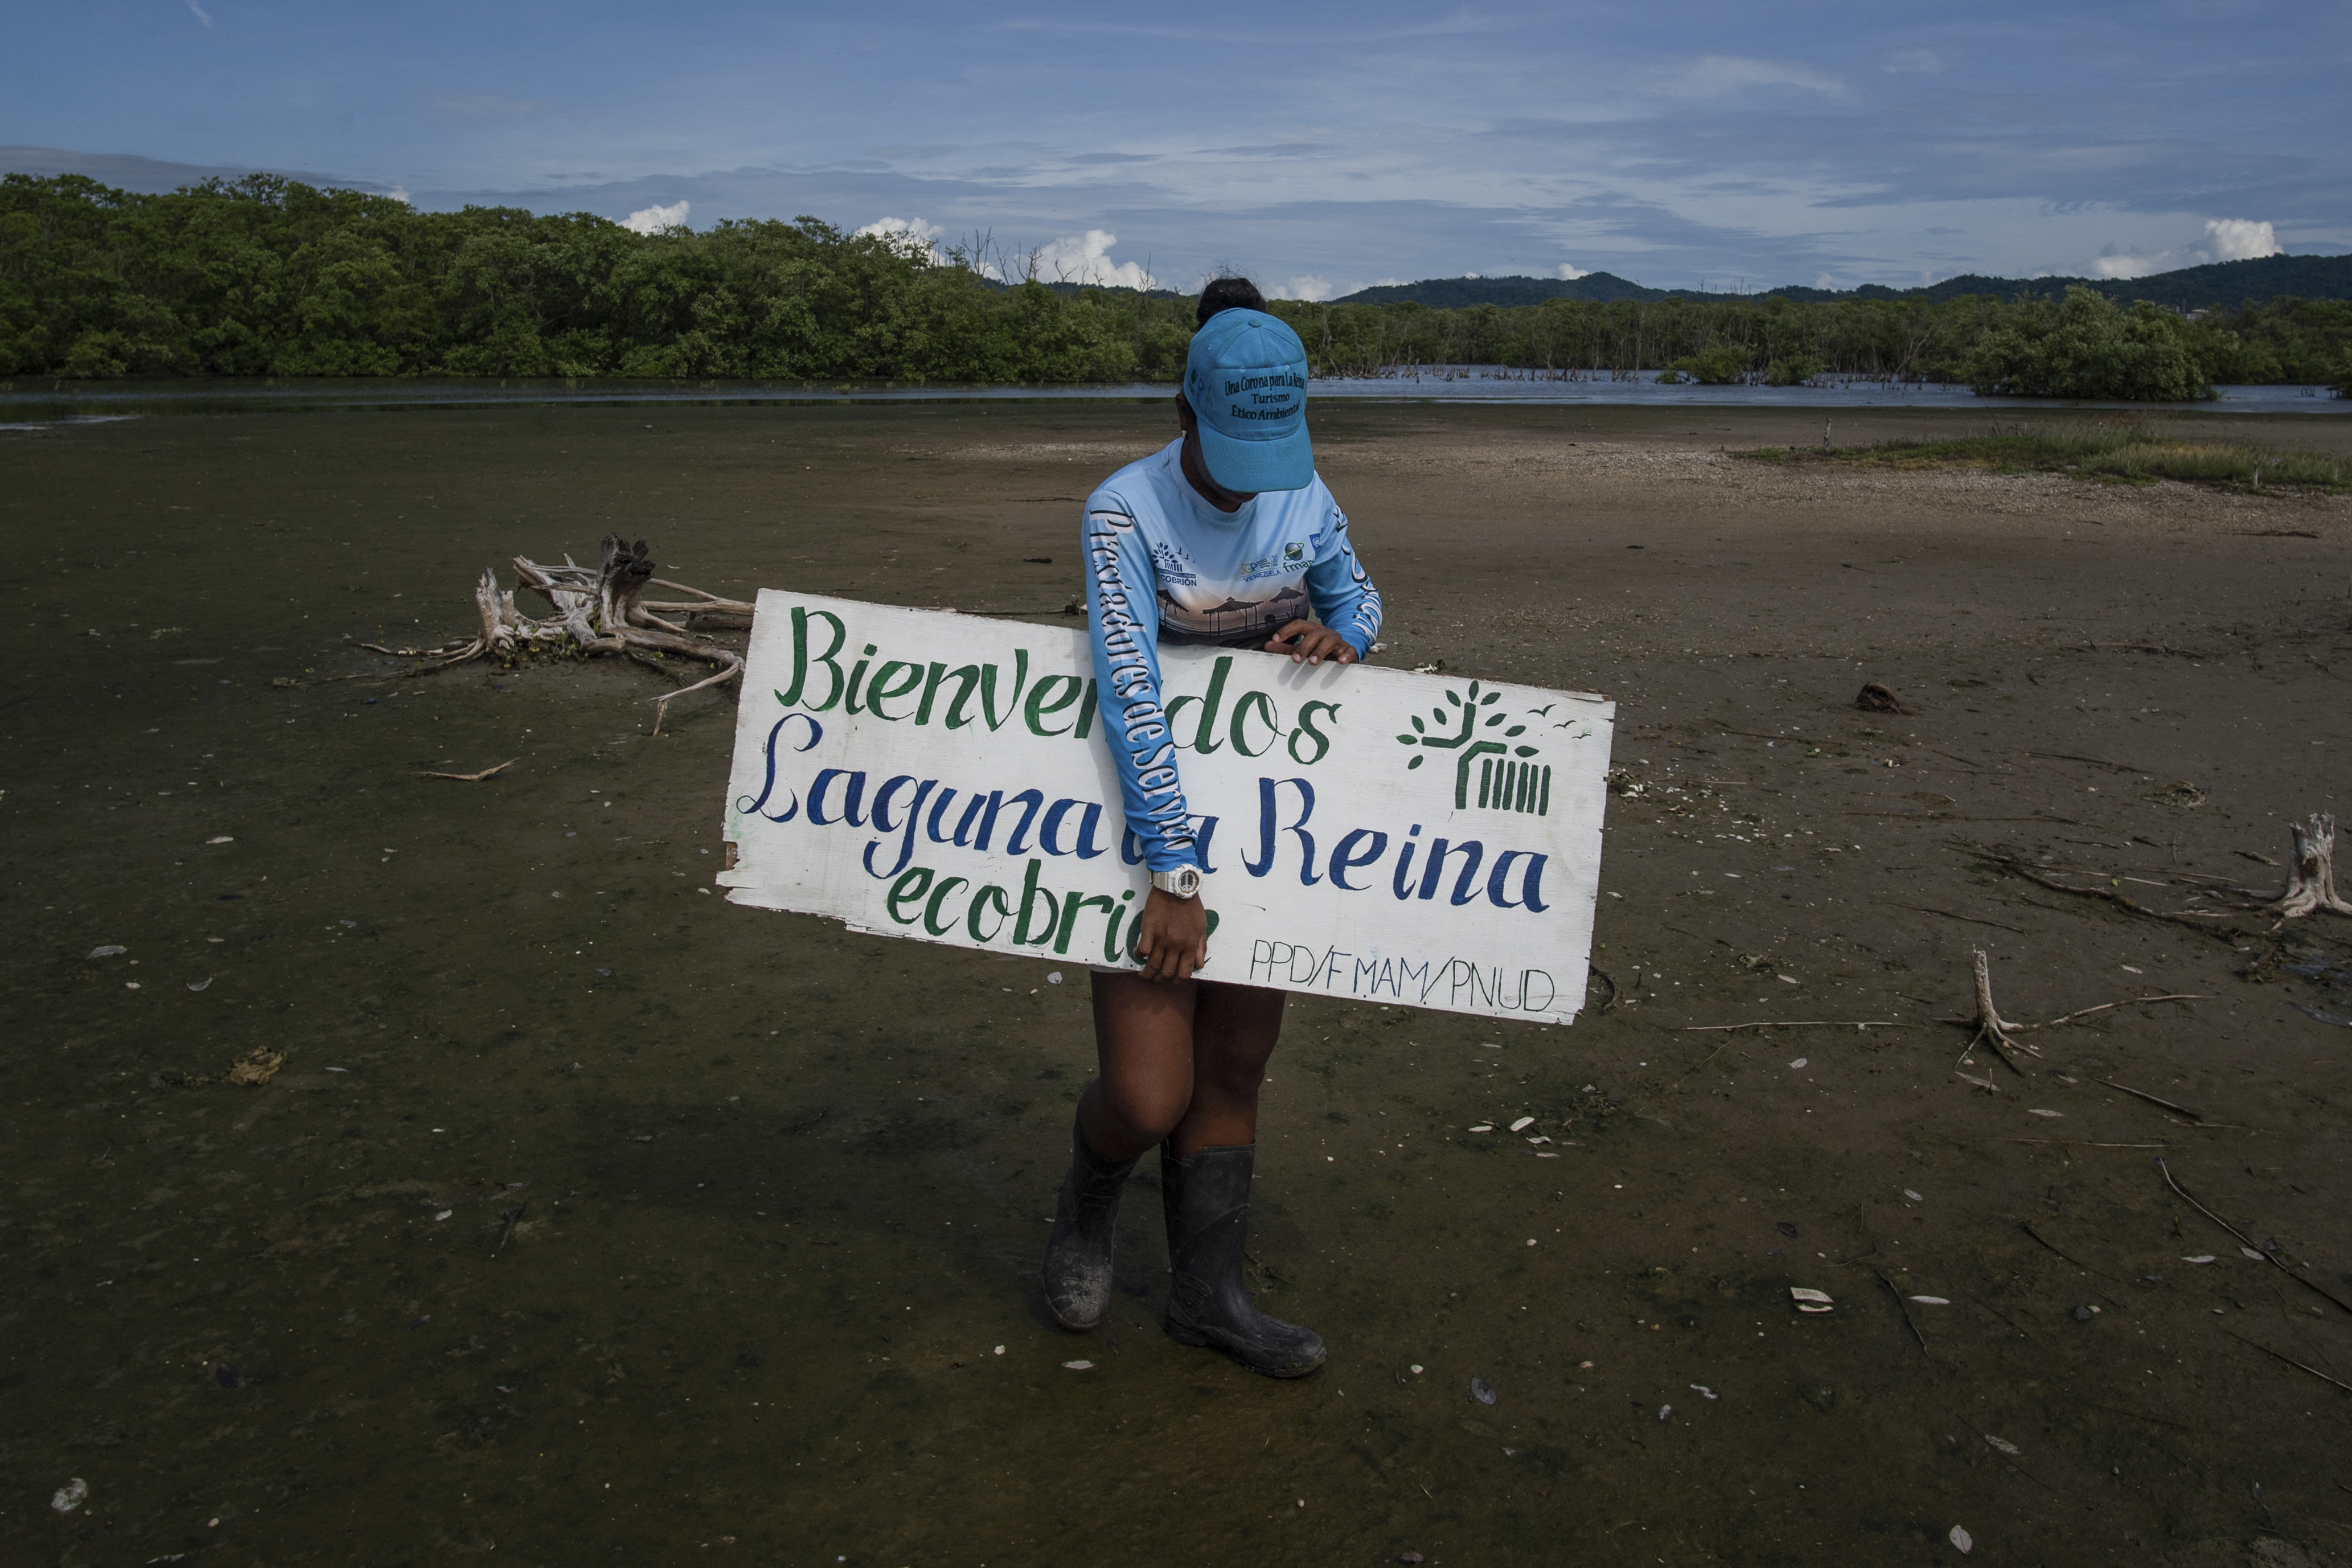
1246 377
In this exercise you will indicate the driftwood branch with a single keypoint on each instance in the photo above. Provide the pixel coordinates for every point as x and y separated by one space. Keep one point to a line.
475 778
598 610
2152 1099
2247 1242
2290 1361
1797 1024
2115 896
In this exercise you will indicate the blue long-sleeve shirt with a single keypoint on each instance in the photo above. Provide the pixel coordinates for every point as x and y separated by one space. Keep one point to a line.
1163 565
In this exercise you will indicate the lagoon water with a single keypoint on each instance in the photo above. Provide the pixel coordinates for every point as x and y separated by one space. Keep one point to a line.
29 401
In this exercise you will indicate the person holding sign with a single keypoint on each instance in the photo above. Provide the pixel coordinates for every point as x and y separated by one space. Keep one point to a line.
1224 536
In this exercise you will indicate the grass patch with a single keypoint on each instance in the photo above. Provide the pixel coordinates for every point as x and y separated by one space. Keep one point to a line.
2131 453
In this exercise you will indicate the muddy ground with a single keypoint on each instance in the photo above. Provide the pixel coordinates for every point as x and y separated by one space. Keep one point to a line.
593 1217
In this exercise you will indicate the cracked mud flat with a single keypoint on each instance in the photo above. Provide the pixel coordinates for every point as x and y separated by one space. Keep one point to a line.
734 1229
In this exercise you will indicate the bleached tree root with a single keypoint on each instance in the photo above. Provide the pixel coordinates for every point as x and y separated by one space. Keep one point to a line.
1993 1030
2311 876
597 610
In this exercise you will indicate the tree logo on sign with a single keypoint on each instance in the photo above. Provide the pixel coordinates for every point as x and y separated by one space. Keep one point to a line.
1505 779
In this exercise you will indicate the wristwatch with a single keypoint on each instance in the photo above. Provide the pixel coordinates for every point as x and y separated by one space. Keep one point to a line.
1183 882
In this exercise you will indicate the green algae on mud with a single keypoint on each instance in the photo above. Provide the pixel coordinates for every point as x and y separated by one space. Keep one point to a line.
741 1207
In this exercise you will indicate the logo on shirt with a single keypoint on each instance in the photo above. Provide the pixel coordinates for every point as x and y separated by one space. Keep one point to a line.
1286 562
1173 567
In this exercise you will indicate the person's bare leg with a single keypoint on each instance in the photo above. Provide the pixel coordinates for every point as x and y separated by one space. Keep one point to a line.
1234 1029
1144 1042
1143 1037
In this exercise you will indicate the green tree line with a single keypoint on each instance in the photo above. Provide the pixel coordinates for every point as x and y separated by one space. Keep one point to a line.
2079 346
265 276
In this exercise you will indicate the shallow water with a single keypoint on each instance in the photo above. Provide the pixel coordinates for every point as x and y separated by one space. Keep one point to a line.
734 1230
27 403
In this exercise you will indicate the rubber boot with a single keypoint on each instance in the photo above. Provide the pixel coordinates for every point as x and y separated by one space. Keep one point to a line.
1207 1201
1086 1223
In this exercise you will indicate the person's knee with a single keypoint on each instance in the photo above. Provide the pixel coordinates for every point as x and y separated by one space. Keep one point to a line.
1149 1112
1233 1076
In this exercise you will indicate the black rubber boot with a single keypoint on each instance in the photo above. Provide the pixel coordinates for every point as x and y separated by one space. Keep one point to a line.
1207 1201
1086 1223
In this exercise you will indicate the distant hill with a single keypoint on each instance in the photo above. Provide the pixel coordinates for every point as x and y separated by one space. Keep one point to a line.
2189 288
1453 293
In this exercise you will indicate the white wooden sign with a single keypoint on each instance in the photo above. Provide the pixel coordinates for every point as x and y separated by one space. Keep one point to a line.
1367 833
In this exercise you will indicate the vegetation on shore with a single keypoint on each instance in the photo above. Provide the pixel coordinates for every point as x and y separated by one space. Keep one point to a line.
2185 288
2136 451
268 277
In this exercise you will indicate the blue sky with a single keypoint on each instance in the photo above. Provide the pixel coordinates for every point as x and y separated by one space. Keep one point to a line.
1319 147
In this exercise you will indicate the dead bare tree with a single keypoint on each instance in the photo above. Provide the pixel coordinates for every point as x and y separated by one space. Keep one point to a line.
596 610
2311 875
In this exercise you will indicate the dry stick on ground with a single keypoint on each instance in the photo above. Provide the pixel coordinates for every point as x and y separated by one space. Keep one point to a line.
1973 920
1905 1309
2095 761
2310 883
2127 1002
474 778
598 609
2004 1317
1799 1024
2290 1361
2122 901
2245 1241
2143 1094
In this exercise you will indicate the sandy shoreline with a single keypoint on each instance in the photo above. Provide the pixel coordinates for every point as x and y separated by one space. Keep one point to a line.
736 1227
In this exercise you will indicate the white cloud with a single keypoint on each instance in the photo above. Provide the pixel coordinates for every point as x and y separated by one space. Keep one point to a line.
1085 258
1306 286
2240 239
653 220
1719 76
199 13
916 238
1914 62
2226 239
1824 282
1570 272
399 194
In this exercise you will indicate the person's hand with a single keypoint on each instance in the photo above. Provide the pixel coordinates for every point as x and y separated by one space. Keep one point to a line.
1175 937
1311 642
